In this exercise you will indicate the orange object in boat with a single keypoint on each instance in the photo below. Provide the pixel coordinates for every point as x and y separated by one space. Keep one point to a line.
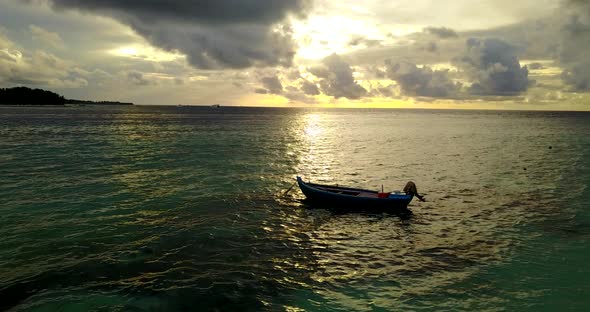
383 195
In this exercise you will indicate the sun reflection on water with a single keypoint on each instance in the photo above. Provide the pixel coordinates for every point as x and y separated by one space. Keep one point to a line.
313 127
316 151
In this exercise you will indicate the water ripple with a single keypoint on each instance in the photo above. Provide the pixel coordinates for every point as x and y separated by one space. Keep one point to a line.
149 208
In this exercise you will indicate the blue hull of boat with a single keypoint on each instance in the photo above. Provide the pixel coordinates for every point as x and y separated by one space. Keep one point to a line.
317 195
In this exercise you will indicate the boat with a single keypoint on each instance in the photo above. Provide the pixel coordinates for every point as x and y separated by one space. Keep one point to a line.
355 199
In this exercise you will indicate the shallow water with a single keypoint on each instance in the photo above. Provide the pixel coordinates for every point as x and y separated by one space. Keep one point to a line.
183 208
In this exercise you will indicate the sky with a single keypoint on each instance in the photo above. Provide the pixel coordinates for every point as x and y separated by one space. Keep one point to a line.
460 54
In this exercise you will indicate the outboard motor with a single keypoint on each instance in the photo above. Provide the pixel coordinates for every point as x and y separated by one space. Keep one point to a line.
411 189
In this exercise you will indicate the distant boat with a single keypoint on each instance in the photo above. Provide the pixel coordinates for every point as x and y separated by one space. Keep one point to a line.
215 106
353 199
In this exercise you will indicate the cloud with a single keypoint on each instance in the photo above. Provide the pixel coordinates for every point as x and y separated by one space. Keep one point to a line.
39 69
211 12
333 77
536 66
137 78
457 14
272 84
563 36
575 32
575 44
361 40
441 32
421 81
494 67
293 74
336 78
379 89
490 67
577 76
295 95
49 39
431 47
417 48
309 88
294 87
213 34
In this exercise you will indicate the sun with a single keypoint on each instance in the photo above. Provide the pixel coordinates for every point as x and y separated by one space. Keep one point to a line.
322 35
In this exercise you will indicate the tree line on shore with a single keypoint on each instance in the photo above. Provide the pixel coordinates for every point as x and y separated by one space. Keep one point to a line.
28 96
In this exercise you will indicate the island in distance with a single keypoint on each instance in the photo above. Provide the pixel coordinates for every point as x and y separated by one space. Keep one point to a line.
39 97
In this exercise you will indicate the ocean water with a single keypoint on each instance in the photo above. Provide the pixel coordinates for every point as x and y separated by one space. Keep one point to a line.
184 209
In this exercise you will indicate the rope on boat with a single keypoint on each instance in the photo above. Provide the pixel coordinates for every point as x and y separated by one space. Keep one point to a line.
289 189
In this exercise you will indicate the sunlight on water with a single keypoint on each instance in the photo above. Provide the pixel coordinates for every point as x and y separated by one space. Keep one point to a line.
313 126
314 158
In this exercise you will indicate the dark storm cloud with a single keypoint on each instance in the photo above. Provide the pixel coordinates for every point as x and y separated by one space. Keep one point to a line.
209 11
422 81
337 80
494 67
213 34
441 32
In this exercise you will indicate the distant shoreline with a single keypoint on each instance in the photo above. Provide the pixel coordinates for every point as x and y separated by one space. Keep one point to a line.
108 103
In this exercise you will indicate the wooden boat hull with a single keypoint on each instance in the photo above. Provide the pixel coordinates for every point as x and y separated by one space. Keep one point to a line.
352 199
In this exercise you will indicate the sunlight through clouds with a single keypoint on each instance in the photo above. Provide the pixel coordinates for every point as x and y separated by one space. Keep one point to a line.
145 52
320 36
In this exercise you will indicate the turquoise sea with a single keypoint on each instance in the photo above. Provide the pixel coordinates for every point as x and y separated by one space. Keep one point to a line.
184 209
